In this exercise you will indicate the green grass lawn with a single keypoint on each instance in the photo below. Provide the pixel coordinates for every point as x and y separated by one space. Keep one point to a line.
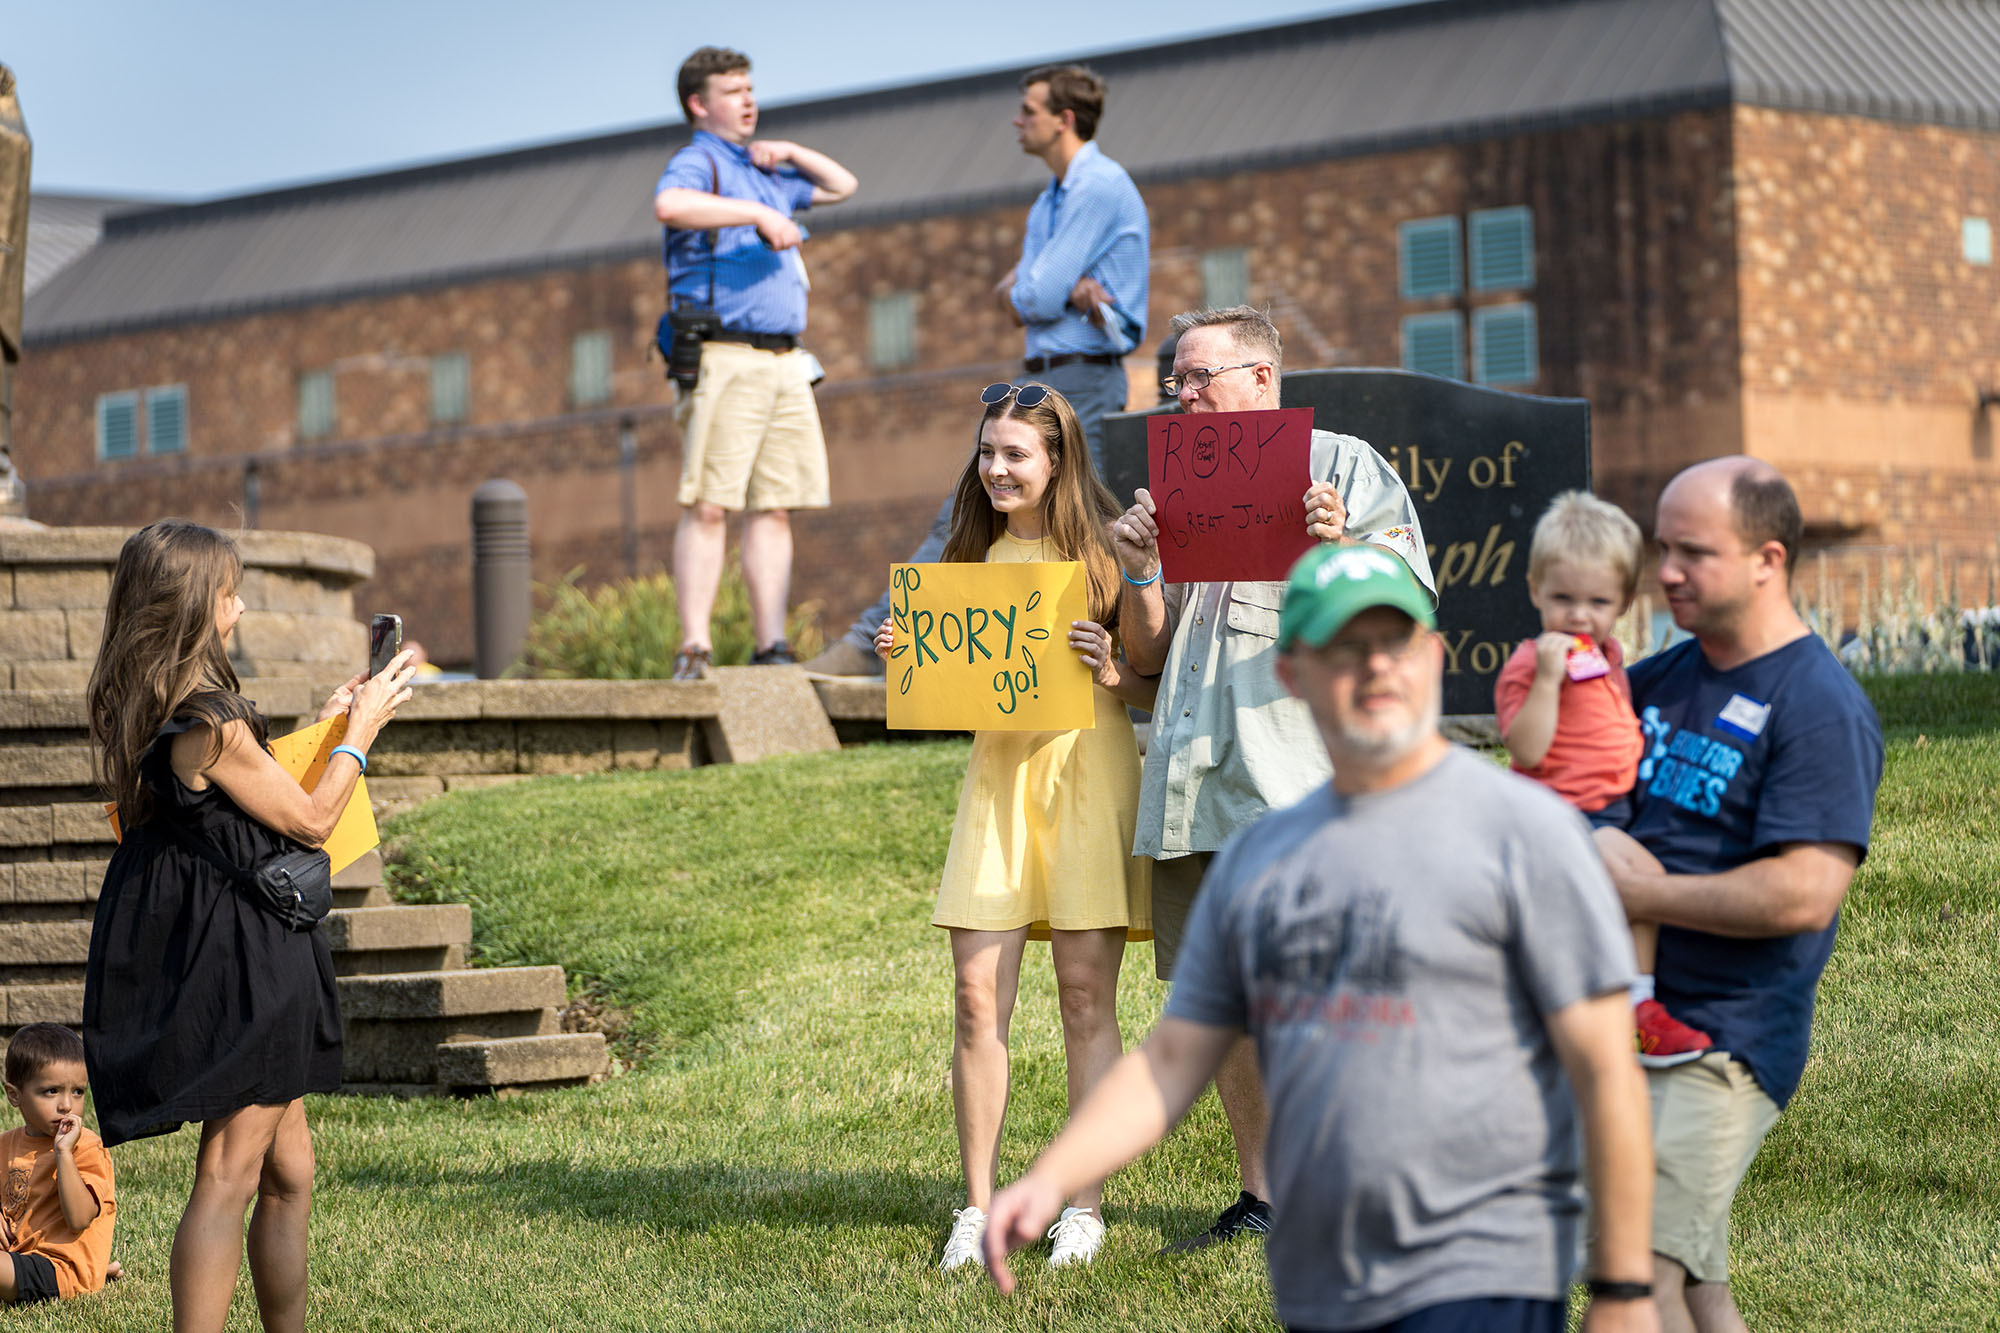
779 1153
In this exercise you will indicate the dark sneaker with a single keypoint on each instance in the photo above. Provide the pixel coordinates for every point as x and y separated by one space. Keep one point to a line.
1665 1041
778 654
1248 1216
842 660
691 664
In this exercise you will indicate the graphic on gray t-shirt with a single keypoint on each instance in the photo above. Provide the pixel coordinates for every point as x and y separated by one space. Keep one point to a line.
1394 954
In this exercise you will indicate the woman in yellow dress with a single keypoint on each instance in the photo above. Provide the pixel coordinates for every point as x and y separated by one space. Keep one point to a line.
1042 845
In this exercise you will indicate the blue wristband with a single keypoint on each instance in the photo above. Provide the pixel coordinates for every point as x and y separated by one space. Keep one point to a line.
1140 583
359 757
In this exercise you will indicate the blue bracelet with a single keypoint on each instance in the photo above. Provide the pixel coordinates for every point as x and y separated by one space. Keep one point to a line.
359 757
1140 583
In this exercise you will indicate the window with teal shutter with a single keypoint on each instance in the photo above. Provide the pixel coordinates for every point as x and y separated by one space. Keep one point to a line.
117 425
892 330
1503 249
1503 344
451 376
1225 278
1435 344
315 404
166 419
1428 248
590 368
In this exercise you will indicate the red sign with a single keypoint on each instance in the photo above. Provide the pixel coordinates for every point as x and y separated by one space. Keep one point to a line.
1229 493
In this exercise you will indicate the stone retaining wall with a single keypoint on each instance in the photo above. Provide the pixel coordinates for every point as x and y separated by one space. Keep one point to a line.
297 592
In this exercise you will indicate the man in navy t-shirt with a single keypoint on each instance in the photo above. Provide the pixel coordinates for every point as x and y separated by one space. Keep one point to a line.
1752 811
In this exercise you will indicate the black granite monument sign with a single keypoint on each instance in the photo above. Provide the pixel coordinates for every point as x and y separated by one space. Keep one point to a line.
1482 464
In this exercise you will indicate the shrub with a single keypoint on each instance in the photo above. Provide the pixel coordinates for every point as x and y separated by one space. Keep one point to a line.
631 629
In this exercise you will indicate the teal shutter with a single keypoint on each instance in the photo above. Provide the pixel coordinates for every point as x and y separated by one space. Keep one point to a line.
590 368
166 419
315 404
892 330
1225 278
1503 249
117 425
1504 344
1435 344
1429 255
451 376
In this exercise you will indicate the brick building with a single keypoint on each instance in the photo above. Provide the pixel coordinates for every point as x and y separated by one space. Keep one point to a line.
1759 226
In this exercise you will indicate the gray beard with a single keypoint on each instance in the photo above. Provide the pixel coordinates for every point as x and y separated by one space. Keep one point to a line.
1386 748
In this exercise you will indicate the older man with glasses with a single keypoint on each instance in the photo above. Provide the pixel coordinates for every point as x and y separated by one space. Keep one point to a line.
1227 743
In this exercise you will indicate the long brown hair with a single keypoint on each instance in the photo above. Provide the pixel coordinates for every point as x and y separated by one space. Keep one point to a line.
160 657
1077 507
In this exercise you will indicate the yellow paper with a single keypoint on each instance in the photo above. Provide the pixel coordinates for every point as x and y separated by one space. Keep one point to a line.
303 754
986 648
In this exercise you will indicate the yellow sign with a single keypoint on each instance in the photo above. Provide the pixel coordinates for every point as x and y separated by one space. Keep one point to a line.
303 756
986 648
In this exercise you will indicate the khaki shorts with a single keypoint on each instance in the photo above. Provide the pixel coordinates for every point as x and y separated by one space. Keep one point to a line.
750 436
1175 881
1709 1119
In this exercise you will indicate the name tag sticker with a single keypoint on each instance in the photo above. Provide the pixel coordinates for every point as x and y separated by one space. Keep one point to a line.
1743 717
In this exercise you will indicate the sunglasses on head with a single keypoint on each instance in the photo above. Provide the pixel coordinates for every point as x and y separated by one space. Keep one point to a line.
1027 395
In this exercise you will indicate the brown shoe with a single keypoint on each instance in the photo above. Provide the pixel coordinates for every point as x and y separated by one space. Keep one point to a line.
843 660
691 664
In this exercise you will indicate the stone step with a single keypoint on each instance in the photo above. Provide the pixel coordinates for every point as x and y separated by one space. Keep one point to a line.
365 929
395 1023
522 1063
399 939
38 883
45 765
57 1002
33 944
426 995
372 896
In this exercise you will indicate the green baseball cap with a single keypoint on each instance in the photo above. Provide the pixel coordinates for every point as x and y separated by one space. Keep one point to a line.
1330 585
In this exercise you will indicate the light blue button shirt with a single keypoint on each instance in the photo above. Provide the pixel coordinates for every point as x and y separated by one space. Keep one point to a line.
1091 222
756 289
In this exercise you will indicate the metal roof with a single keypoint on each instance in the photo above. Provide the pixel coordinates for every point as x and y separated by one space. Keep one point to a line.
61 227
1397 77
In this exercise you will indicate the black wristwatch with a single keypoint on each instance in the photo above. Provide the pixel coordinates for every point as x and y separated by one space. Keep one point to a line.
1603 1289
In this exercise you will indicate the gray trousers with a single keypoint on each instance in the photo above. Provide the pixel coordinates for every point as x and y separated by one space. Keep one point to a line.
1092 391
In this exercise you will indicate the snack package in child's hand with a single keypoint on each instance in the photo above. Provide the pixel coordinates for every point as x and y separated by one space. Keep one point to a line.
1586 662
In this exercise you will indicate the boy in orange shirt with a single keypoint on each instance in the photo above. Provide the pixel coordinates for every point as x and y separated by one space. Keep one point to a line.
1565 708
57 1206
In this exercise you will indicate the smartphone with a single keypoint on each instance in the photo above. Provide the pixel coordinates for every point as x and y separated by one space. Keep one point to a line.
385 640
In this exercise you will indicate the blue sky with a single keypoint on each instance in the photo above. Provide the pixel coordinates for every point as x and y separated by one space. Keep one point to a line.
191 100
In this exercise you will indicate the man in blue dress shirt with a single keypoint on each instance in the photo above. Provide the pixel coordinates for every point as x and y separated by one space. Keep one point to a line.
750 433
1080 291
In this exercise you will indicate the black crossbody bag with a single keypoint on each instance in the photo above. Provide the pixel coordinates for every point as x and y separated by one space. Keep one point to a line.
296 887
682 331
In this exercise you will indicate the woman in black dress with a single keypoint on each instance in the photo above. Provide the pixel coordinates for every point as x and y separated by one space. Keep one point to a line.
198 1004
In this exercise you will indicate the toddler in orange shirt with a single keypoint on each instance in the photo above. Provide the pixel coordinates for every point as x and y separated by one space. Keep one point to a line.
1565 708
57 1205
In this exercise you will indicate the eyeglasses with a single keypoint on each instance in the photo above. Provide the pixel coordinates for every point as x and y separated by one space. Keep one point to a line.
1197 377
1027 395
1347 655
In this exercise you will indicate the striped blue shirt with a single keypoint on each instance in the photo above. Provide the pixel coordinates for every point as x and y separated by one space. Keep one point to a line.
1093 222
757 289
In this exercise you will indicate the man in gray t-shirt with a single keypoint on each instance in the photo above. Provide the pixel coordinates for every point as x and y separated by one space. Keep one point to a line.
1433 965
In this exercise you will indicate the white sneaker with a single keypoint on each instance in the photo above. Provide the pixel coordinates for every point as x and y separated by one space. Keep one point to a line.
1077 1234
967 1244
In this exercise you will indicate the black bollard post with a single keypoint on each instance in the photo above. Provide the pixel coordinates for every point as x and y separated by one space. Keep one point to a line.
500 574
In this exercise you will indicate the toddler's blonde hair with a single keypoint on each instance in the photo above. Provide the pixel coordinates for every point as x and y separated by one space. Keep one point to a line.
1584 530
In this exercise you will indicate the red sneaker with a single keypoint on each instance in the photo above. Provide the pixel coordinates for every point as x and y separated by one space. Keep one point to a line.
1665 1041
